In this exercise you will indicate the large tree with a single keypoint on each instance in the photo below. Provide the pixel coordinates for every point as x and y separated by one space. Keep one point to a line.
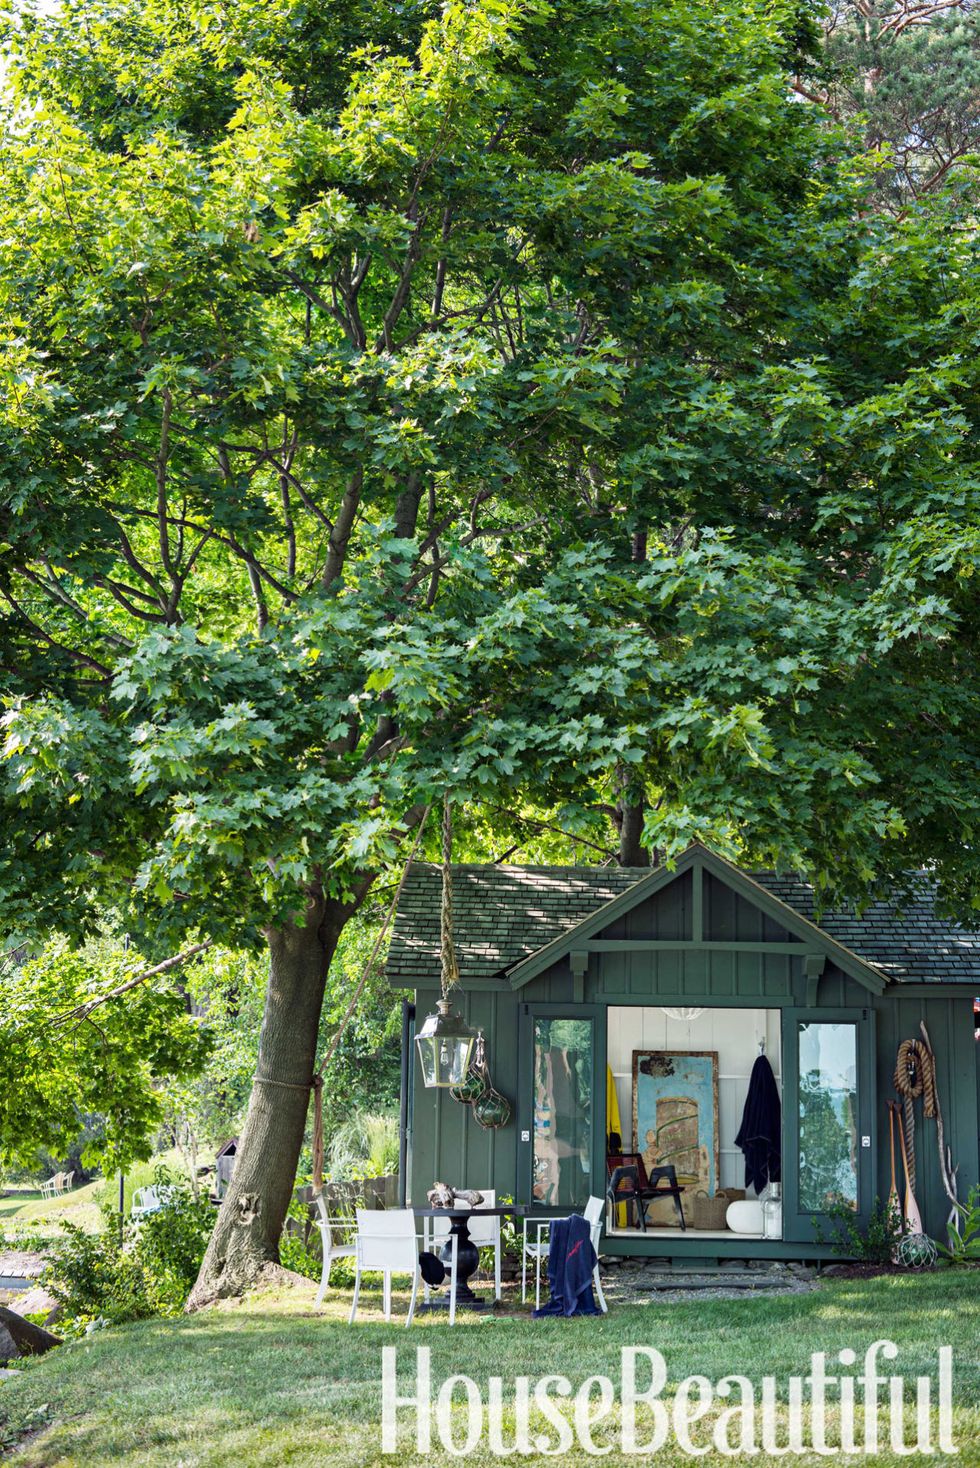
497 396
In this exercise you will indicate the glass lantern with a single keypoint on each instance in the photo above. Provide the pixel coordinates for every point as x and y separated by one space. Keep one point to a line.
772 1212
492 1110
445 1044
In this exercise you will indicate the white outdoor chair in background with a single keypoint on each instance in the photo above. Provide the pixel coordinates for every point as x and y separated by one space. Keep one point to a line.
538 1249
484 1232
69 1181
149 1200
331 1231
387 1244
53 1185
145 1200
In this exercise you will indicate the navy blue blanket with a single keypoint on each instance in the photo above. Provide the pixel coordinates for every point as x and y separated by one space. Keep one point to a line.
760 1132
571 1260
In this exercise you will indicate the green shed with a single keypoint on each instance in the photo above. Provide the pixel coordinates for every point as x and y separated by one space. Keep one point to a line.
646 997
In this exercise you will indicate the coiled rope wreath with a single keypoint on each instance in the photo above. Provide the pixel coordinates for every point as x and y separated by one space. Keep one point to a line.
915 1076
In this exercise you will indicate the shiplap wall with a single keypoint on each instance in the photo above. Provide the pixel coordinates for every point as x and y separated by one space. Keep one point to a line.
734 1033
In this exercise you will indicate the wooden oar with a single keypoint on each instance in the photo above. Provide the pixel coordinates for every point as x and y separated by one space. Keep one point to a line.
894 1206
913 1219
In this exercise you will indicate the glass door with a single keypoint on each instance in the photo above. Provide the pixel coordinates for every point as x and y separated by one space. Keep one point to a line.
562 1112
828 1117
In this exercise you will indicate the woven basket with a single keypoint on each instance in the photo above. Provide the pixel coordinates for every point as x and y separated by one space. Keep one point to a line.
710 1212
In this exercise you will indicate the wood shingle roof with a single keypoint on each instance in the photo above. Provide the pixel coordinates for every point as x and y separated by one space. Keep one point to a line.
504 914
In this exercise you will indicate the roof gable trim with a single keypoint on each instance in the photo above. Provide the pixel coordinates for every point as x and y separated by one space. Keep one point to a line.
698 856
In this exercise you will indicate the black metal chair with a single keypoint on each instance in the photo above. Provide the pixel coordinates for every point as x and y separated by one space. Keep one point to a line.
629 1182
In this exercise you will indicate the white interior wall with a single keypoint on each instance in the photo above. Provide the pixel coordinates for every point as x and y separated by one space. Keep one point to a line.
734 1033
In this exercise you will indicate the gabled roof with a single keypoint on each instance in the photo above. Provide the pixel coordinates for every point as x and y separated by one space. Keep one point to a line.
504 915
656 880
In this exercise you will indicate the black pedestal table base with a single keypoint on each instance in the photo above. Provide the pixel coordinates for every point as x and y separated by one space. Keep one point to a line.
467 1261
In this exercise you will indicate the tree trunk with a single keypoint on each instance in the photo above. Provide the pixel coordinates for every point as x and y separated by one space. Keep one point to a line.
250 1222
631 852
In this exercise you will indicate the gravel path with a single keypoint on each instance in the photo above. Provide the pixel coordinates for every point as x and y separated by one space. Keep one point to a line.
638 1283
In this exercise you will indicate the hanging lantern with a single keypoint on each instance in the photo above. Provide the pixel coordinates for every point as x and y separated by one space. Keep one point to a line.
445 1044
681 1013
445 1041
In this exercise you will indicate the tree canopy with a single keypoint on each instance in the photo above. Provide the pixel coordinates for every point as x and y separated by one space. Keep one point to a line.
515 398
328 400
69 1052
906 74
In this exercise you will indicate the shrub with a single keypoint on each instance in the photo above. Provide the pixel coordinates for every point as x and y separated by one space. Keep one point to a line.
873 1245
92 1276
366 1145
964 1236
305 1255
170 1243
149 1272
296 1255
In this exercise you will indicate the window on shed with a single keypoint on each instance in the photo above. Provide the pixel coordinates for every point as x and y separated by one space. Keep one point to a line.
563 1111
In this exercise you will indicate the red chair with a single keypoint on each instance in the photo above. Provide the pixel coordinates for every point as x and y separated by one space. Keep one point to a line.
629 1182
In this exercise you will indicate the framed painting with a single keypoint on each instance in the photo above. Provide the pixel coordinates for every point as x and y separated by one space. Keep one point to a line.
675 1119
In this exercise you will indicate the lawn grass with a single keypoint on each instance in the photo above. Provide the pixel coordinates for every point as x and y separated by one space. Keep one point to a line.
79 1206
270 1383
13 1202
82 1205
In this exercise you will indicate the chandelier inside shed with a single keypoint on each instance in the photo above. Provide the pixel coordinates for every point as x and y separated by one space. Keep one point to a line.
681 1013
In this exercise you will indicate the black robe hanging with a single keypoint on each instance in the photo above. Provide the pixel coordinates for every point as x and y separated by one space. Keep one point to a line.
761 1129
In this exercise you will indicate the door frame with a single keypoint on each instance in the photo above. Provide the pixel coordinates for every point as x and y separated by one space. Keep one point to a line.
530 1010
801 1227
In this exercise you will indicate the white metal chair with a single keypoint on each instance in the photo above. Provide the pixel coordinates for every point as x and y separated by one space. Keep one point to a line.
53 1186
330 1230
68 1181
145 1200
149 1200
538 1249
387 1244
484 1233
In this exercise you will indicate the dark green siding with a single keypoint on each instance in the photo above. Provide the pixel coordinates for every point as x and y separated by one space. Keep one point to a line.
728 917
447 1143
665 915
950 1026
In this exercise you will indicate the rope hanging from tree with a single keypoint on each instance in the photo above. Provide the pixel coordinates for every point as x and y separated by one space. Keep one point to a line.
450 963
316 1084
915 1076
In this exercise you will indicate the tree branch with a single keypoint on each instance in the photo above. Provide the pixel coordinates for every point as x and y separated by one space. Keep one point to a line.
82 1011
78 657
342 529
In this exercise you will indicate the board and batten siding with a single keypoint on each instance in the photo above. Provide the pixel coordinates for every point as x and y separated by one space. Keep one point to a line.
950 1025
447 1144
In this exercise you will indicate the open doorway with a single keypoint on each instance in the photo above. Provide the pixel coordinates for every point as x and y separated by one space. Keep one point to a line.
679 1086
